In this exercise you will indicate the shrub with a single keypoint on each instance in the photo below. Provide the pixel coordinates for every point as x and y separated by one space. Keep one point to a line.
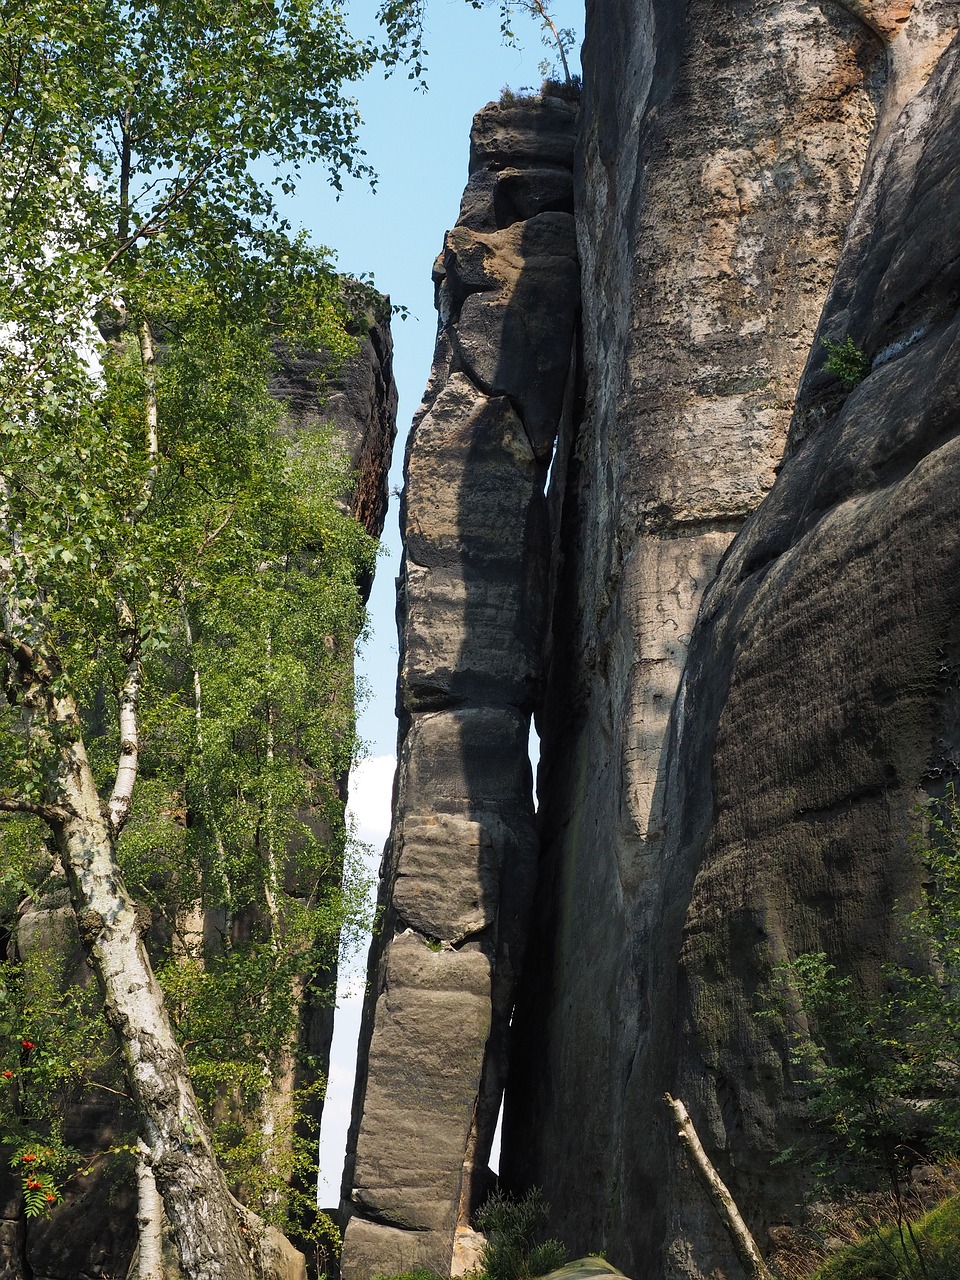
513 1250
881 1065
846 360
880 1257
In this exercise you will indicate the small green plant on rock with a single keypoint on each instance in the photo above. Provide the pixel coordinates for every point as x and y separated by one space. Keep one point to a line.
846 360
881 1064
513 1250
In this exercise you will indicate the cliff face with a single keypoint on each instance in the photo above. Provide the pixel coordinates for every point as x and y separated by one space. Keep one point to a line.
727 779
696 833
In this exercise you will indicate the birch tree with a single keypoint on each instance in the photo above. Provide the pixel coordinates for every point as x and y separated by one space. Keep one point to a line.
147 280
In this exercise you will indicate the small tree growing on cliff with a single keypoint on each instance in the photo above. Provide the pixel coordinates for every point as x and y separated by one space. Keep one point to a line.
405 18
883 1066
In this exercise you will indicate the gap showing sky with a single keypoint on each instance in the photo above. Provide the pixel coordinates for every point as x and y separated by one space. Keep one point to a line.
418 143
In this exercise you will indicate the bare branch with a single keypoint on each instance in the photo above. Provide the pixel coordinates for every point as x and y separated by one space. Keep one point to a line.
147 228
17 804
721 1199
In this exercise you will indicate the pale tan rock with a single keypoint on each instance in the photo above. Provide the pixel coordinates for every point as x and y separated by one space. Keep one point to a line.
467 1251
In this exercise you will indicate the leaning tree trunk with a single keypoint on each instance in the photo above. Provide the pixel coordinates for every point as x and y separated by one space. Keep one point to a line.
201 1212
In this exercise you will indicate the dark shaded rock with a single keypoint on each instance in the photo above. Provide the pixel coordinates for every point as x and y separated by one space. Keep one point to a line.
457 877
359 400
534 133
523 193
498 198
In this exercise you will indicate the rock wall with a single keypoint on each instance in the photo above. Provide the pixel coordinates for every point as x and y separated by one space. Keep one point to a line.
457 878
694 834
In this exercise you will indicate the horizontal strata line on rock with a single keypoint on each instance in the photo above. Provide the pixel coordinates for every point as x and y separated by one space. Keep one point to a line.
843 805
524 164
475 936
381 1219
693 526
438 700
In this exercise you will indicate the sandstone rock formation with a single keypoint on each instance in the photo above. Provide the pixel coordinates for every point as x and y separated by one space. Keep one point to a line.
458 873
694 838
694 828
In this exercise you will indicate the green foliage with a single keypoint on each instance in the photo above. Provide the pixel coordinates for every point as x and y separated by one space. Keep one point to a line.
846 360
422 1274
881 1064
570 90
158 516
514 1249
880 1257
54 1046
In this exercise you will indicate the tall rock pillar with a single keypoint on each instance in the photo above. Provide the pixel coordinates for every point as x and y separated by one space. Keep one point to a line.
458 873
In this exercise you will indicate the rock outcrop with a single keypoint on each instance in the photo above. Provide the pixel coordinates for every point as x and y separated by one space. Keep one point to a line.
716 795
695 834
458 874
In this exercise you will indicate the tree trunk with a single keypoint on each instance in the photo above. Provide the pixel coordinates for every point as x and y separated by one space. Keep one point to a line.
149 1222
724 1203
208 1233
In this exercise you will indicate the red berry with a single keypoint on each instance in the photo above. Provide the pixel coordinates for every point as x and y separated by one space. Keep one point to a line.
28 1045
28 1157
8 1075
51 1197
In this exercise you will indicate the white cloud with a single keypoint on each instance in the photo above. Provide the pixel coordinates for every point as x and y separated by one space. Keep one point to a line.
371 788
336 1107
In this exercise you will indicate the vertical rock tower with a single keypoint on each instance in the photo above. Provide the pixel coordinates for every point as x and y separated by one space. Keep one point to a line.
459 871
735 617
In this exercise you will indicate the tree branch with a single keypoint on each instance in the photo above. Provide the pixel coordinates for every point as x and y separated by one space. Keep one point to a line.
17 804
118 808
146 228
721 1199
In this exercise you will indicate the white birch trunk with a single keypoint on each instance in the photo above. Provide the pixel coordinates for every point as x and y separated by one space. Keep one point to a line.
743 1242
149 1221
198 1203
211 1240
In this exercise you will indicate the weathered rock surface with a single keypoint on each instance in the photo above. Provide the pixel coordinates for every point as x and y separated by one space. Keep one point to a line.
696 834
820 699
457 878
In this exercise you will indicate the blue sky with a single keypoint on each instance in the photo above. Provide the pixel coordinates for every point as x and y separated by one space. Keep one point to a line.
419 144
